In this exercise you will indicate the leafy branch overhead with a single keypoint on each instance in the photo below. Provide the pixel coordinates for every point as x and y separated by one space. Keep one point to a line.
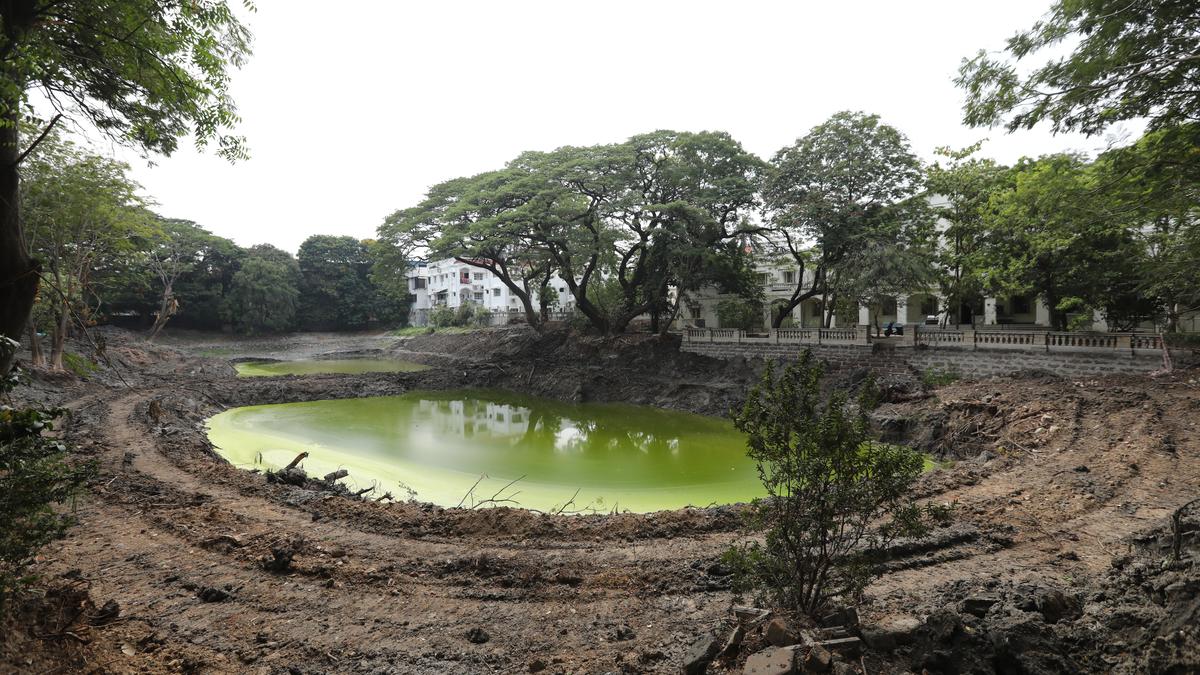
1129 60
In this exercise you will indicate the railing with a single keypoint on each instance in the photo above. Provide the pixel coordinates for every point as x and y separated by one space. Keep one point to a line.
724 335
838 335
1042 340
1073 341
795 335
1010 339
1146 341
938 337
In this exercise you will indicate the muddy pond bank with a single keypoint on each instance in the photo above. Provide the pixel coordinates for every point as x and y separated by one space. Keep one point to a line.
1055 563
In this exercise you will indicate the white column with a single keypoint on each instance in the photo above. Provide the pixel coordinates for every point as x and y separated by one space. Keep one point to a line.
864 315
1041 312
1098 321
902 310
989 311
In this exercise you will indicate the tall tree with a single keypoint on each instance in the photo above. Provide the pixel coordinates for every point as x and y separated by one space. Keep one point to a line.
144 72
1129 60
1053 234
83 214
175 251
685 196
263 297
203 288
847 185
1155 184
966 184
335 285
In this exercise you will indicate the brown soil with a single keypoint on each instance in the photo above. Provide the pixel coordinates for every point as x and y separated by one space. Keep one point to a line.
1052 480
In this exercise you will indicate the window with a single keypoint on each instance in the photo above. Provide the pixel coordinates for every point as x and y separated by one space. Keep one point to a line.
1020 305
478 296
815 310
562 289
789 277
888 307
418 284
496 292
479 276
929 306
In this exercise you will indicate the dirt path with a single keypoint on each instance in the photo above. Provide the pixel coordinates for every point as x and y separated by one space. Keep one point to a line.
357 600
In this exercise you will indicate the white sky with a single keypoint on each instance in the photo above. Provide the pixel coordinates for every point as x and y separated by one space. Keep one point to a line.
352 113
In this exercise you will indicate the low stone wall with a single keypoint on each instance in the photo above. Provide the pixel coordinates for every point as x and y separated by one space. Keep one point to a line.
978 362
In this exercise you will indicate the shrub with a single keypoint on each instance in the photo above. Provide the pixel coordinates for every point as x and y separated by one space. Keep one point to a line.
441 317
35 476
937 378
82 366
738 313
834 494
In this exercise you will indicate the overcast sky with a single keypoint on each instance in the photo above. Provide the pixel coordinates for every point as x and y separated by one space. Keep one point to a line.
354 110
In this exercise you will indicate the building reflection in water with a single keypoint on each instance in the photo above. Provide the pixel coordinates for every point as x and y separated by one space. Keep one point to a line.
481 419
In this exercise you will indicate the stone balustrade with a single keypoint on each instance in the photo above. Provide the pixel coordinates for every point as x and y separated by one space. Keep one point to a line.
1048 341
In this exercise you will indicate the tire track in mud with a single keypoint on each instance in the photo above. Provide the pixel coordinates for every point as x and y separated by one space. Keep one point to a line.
356 599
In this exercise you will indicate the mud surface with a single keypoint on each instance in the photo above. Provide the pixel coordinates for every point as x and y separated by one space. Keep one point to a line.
1058 560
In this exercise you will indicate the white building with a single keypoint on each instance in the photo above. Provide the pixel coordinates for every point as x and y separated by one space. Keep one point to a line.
451 283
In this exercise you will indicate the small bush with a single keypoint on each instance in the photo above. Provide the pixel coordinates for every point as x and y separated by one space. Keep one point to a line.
738 313
35 477
441 316
834 494
938 378
82 366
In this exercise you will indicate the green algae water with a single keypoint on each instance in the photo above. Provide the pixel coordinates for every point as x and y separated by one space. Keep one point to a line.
626 457
324 366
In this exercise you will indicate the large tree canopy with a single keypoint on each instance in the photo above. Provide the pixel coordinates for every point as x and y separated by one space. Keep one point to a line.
658 212
144 72
1131 60
849 185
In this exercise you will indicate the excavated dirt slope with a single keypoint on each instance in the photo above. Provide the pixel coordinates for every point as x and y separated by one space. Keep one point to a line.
1057 560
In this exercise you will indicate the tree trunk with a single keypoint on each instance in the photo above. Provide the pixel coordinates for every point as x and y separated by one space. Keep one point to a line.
166 309
36 356
59 339
18 271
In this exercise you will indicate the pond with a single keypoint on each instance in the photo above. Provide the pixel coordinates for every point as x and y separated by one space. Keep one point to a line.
627 457
324 366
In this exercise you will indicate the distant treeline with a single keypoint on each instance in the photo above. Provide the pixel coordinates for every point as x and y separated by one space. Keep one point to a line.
106 256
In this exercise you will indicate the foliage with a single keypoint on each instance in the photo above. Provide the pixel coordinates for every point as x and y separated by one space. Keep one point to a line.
82 216
1053 234
263 296
466 315
660 210
335 283
143 72
739 313
1155 184
845 187
932 378
442 316
36 480
966 183
834 493
205 287
82 366
1129 60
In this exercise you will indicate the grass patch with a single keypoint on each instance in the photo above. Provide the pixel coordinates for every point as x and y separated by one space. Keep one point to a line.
430 330
82 366
939 378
